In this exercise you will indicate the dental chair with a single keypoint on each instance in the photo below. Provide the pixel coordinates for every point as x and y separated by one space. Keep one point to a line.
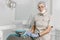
19 36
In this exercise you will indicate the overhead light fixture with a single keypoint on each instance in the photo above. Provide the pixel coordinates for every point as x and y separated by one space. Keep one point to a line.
11 4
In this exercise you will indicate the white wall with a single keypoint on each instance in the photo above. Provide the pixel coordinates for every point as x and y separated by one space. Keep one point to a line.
56 13
24 9
7 15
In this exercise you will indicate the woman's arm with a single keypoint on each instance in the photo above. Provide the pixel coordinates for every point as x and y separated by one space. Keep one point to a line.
46 31
33 29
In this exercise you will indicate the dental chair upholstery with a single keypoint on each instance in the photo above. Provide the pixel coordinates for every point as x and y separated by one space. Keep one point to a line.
18 36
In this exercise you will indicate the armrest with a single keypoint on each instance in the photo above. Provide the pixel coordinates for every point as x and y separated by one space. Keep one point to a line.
20 32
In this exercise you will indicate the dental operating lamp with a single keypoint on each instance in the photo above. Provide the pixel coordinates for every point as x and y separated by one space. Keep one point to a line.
11 4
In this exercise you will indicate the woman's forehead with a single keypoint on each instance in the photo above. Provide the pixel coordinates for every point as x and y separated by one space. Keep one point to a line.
41 4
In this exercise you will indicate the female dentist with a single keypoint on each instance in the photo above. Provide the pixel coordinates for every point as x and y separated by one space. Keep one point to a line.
42 23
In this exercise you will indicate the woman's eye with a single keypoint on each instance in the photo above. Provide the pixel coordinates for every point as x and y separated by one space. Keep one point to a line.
38 7
41 7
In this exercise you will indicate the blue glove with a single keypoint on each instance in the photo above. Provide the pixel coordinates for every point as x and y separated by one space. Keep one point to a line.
30 34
